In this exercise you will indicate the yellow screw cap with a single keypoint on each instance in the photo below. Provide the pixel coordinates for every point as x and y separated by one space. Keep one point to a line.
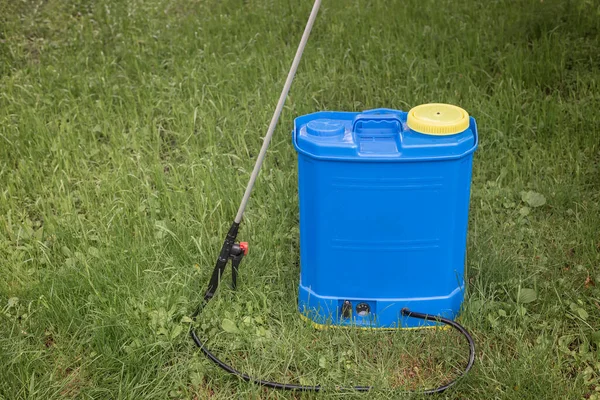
438 119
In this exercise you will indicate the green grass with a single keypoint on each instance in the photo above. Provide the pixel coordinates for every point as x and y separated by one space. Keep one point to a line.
127 133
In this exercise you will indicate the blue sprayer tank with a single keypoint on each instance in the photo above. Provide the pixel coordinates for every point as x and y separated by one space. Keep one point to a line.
384 201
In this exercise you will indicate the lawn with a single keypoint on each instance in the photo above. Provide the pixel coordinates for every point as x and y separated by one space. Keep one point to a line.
128 130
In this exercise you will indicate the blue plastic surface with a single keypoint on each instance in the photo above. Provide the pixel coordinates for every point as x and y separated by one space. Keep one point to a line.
383 217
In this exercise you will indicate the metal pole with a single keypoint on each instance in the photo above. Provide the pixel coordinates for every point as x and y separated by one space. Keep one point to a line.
278 109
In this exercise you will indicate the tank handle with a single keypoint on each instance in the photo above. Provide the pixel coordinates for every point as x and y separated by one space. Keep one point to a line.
360 118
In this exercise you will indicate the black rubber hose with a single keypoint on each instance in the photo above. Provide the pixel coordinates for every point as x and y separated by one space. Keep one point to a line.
291 386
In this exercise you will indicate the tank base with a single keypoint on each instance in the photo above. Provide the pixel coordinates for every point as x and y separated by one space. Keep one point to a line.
385 313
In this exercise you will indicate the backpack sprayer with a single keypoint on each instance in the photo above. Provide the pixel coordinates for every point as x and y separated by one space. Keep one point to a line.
384 198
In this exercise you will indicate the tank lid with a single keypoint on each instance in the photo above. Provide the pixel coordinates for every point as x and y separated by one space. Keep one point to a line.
325 127
438 119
